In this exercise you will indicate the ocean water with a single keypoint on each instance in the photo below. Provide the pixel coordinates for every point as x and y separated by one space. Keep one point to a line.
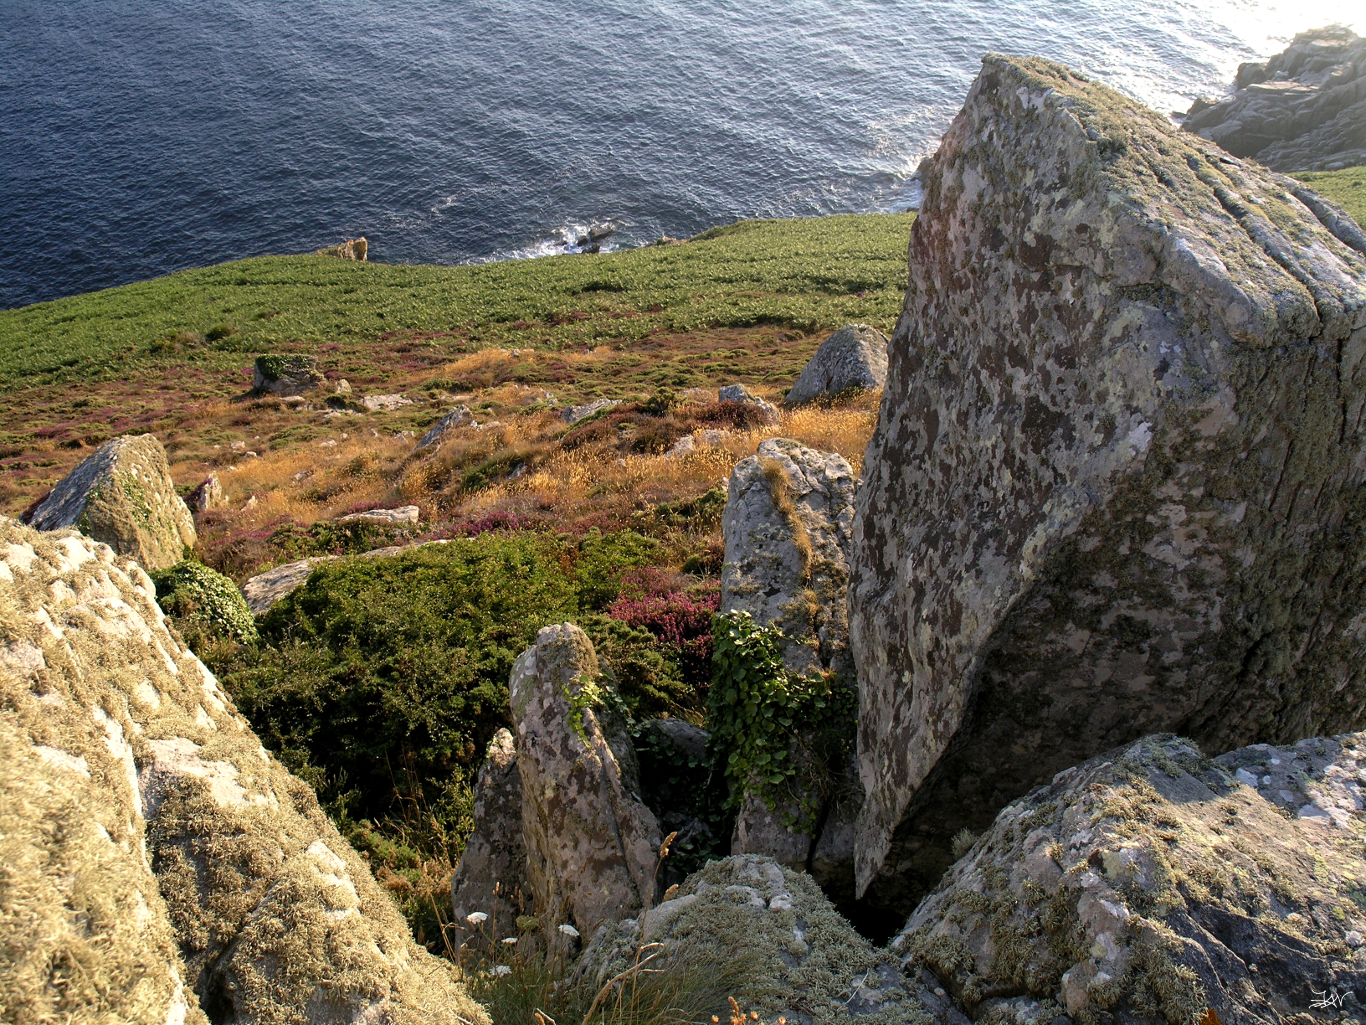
143 136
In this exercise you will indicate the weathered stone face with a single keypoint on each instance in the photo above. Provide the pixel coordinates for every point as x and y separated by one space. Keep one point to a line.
1152 884
123 495
197 857
1116 480
787 527
592 844
288 374
855 356
491 878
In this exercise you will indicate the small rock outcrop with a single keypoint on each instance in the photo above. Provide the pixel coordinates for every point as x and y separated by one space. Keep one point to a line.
286 374
592 844
788 531
265 589
403 515
355 249
855 356
771 938
457 417
160 865
1303 110
385 403
573 414
739 393
1117 449
1153 885
491 878
207 496
123 495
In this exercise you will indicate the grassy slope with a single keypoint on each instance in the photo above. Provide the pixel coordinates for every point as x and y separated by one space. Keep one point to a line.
1347 188
807 274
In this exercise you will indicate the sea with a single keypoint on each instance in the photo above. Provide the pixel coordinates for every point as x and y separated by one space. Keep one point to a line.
138 137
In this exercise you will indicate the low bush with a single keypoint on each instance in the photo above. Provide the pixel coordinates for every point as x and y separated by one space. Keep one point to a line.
202 601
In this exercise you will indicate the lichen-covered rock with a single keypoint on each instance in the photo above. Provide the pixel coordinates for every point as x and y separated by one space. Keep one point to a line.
573 414
855 356
787 527
1303 110
457 417
592 844
403 515
1120 447
354 249
491 878
123 494
1151 884
286 374
266 588
150 839
739 393
775 940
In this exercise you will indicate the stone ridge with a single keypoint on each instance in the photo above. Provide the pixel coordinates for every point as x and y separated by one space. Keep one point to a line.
198 859
1116 457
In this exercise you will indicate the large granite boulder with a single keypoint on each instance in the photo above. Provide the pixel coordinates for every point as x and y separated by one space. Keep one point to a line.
491 879
1152 885
159 865
855 356
1115 480
123 494
770 939
592 845
1303 110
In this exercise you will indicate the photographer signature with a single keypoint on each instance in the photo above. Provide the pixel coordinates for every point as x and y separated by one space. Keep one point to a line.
1330 999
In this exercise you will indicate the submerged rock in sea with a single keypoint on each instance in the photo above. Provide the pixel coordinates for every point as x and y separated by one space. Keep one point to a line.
1118 460
123 495
1303 110
1154 885
160 865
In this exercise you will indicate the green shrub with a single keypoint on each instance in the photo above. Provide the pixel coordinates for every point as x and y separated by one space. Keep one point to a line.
196 596
783 735
603 558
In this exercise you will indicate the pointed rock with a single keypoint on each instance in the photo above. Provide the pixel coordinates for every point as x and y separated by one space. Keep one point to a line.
491 878
855 356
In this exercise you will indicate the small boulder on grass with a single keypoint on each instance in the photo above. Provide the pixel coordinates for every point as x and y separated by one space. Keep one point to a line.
123 495
286 374
193 593
855 356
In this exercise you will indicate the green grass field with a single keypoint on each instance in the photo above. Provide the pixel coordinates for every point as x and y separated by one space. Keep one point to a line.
1347 188
807 274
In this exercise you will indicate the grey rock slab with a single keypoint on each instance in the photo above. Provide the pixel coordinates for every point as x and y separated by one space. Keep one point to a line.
1151 883
190 835
207 496
403 515
592 844
385 403
491 878
1303 110
739 393
788 529
123 495
855 356
573 414
1119 439
457 417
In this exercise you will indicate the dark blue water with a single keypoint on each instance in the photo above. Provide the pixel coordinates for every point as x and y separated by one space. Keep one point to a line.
144 136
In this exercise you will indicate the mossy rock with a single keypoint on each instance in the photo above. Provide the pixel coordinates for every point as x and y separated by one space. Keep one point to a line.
192 592
286 373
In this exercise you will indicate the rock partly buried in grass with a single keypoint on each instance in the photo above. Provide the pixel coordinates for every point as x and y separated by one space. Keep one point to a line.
1118 448
787 528
265 589
404 515
1151 884
123 495
385 403
286 374
591 842
355 249
180 830
573 414
207 497
491 879
739 393
855 356
1303 110
768 937
457 417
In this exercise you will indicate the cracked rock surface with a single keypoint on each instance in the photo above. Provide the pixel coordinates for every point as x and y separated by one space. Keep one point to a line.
1117 476
1152 883
150 839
